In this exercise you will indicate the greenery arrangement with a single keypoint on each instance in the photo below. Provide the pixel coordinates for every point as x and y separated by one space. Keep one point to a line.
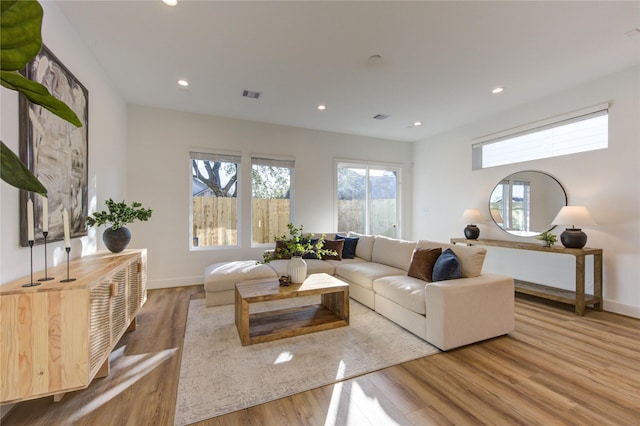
549 238
21 23
297 244
119 214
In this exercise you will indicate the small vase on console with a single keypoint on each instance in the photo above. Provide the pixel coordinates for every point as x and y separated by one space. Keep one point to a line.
297 269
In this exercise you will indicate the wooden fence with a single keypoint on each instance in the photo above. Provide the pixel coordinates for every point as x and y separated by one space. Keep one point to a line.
215 219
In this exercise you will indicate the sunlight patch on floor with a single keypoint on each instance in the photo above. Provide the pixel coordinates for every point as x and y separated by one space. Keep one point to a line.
134 368
285 356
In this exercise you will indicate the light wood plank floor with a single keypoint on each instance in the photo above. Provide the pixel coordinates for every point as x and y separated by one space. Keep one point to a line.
555 368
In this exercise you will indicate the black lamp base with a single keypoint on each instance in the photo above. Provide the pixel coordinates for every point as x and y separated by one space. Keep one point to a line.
573 238
471 232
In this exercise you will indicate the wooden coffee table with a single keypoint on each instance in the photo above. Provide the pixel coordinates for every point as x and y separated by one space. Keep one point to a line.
332 312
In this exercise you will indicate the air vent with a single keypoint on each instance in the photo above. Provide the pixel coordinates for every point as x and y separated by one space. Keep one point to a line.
380 117
251 94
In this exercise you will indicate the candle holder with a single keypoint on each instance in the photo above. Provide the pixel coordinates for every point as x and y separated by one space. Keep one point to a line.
46 278
31 283
68 280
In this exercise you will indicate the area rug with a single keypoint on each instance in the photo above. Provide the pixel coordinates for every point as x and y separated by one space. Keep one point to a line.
218 375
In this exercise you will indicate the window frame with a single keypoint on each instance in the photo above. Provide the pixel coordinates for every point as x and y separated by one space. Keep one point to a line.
276 161
367 165
515 135
220 155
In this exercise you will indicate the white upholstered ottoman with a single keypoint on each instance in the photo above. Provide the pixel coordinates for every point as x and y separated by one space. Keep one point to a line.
220 279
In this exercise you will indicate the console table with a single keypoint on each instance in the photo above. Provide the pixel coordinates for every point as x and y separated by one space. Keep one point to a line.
56 337
578 298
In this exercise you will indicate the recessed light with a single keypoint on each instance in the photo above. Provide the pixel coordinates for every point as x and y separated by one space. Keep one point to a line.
497 90
321 107
417 123
183 83
170 2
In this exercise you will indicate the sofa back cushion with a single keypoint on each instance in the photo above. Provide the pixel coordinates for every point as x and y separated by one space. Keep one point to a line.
364 248
393 252
471 257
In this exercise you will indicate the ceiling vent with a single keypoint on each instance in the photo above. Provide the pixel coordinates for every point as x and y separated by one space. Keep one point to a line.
251 94
380 117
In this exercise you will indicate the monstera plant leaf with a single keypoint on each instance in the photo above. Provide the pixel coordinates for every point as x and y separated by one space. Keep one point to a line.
20 42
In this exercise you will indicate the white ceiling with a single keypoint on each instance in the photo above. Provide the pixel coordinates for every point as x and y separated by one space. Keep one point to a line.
440 60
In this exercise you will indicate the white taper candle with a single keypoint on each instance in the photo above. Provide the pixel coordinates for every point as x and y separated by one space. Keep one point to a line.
30 232
65 221
45 214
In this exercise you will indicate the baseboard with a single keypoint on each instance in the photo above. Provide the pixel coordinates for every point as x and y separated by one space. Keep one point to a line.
621 308
175 282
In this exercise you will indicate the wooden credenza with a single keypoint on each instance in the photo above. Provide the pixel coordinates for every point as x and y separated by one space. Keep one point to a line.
56 337
578 298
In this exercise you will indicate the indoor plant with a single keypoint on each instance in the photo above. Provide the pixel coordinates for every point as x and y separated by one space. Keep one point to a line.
548 239
117 236
294 246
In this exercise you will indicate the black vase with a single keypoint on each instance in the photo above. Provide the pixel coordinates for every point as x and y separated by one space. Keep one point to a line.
116 240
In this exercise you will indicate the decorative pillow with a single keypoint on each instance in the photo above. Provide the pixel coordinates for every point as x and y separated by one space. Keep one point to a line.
447 267
349 250
337 245
422 263
314 253
280 252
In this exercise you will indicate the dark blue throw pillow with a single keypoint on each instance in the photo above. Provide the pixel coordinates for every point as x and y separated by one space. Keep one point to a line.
447 267
314 253
349 249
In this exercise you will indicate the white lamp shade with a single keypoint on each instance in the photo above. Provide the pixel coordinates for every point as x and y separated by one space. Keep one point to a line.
471 216
574 215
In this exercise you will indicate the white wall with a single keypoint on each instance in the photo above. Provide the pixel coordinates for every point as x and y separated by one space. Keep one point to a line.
606 181
160 178
107 142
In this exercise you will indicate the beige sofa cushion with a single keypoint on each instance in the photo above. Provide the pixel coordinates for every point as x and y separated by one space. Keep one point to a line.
364 248
393 252
471 257
405 291
314 266
223 276
365 273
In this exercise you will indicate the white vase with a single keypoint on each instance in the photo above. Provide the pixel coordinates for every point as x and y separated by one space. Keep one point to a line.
297 269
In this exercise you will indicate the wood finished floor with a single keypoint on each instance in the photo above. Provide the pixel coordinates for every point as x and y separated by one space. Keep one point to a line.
555 368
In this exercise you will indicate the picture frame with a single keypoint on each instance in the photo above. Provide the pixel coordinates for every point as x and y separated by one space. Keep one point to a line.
55 151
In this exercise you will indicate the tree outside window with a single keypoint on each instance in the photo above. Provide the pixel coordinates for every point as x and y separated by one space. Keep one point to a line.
214 196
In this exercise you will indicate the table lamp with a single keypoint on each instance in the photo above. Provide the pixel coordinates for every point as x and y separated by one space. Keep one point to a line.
573 215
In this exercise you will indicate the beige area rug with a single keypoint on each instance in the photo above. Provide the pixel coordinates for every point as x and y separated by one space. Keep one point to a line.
218 375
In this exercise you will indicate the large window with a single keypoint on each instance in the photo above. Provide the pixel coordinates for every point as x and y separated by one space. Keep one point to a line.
271 198
214 199
368 200
587 130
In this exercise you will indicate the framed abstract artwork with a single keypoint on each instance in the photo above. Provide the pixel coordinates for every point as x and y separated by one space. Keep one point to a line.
55 151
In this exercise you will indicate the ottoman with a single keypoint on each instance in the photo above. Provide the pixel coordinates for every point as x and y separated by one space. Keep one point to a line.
220 279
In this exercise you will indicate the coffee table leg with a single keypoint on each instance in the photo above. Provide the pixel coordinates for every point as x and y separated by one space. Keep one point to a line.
338 303
242 319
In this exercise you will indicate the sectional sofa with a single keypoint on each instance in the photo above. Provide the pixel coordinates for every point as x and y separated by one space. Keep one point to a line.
448 313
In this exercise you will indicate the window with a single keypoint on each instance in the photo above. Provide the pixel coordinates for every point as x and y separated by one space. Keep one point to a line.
368 199
271 198
214 199
587 131
511 202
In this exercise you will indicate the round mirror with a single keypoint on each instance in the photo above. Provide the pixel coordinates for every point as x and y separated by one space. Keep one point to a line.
525 203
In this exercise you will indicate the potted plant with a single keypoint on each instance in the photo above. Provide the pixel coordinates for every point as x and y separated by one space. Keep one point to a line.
117 236
294 246
548 239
